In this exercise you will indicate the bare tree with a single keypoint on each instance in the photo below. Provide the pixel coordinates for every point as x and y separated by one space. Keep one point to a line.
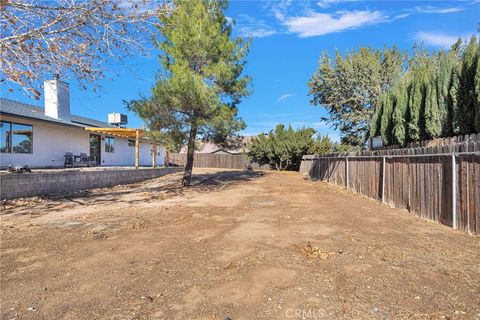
70 37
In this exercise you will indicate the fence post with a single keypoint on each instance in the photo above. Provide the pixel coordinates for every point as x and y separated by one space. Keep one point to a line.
328 170
318 167
383 179
454 192
346 172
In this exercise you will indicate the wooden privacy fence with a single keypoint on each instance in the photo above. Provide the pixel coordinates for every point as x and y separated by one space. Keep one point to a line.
439 186
207 160
468 138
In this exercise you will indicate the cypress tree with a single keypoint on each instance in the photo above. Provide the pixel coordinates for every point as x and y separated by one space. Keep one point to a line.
433 127
453 101
375 122
477 95
414 107
466 93
399 116
416 104
386 119
444 74
438 96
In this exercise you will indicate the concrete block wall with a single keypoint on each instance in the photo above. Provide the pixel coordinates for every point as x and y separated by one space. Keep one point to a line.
21 185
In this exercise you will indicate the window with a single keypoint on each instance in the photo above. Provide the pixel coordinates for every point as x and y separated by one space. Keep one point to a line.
6 132
109 144
131 143
21 138
16 138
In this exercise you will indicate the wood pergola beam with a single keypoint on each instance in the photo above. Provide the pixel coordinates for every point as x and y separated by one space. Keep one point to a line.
120 132
127 133
137 147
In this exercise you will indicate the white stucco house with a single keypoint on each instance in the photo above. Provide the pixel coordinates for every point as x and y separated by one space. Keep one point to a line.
40 137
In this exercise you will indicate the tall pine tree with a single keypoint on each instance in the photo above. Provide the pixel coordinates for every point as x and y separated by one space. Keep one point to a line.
202 83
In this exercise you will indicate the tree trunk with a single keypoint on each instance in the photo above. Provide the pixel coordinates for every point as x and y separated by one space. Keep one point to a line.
187 175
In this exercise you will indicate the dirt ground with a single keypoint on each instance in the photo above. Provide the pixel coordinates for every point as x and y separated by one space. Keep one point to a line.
236 245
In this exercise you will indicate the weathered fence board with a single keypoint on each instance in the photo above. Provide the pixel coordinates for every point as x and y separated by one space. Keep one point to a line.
474 137
418 179
226 161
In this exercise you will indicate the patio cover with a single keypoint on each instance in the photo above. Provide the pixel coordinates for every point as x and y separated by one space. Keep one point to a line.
127 133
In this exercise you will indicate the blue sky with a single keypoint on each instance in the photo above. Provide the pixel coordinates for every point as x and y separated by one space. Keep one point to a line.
287 39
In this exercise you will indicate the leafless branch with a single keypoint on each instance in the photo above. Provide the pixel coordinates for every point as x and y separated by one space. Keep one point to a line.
71 38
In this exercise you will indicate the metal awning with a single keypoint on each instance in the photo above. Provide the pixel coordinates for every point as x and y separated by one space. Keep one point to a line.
127 133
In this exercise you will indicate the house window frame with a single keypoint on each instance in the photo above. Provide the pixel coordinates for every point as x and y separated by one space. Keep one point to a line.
9 132
110 146
10 140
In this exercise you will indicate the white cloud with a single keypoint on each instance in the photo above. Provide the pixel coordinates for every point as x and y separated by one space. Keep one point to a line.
427 9
327 3
284 97
430 9
436 39
257 32
442 40
402 15
279 8
299 17
251 27
317 24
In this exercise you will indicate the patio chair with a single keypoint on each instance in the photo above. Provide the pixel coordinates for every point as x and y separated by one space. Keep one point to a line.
69 159
83 158
87 160
92 161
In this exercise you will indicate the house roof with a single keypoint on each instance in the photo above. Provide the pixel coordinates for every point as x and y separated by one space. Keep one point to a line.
203 147
25 110
90 122
209 147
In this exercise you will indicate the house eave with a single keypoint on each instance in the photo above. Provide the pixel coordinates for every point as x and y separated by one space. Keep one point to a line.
38 119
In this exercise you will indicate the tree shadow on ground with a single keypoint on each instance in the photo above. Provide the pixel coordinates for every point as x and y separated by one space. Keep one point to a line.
144 192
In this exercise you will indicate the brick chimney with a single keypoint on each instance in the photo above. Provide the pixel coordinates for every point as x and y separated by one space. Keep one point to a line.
57 99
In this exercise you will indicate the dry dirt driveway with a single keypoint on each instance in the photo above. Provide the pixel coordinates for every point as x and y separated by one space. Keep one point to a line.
233 246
